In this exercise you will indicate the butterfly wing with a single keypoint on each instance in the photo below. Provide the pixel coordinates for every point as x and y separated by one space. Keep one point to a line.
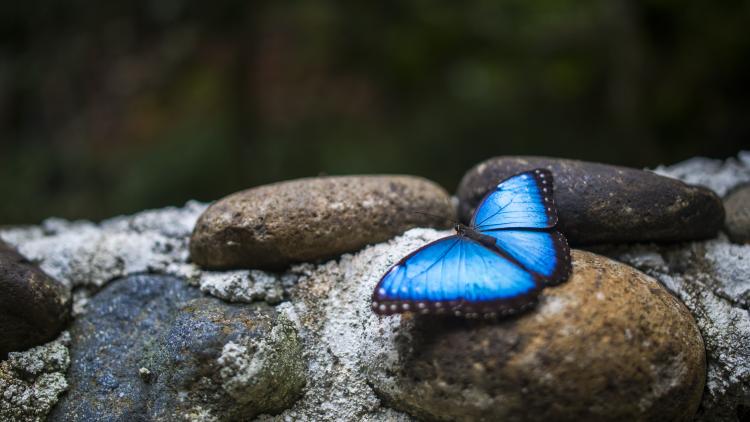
521 214
545 253
455 275
521 201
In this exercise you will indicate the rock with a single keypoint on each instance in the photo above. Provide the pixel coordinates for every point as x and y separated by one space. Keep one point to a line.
599 203
34 307
609 344
737 206
153 348
32 381
272 226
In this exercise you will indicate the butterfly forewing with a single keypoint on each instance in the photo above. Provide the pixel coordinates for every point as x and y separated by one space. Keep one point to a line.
521 201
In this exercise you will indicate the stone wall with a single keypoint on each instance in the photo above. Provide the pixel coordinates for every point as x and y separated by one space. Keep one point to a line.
155 336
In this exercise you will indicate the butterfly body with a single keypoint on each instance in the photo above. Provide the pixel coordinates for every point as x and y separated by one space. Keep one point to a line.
486 241
496 265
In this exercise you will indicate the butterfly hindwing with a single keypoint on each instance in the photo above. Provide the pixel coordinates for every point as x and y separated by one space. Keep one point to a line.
546 253
457 275
521 201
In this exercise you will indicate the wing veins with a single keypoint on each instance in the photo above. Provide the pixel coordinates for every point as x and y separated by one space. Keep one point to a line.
436 261
496 212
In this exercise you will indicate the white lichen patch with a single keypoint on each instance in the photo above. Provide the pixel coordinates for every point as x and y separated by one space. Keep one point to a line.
82 254
717 175
731 265
246 285
32 381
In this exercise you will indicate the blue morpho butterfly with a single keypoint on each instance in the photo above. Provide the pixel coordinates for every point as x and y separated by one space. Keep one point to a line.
495 266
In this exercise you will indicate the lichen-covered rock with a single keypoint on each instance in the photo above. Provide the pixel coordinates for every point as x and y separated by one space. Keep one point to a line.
34 307
154 348
608 344
737 206
272 226
342 340
599 203
32 381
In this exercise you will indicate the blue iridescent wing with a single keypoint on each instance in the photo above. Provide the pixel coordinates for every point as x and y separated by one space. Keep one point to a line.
545 253
521 214
455 275
523 201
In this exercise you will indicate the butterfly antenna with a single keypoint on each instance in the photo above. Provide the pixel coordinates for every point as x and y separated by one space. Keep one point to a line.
438 216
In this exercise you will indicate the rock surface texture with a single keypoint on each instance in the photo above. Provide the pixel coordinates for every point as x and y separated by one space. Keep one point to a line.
737 206
305 220
153 348
32 381
34 307
599 203
357 366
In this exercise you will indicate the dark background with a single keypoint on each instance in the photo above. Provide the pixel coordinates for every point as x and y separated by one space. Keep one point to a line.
110 107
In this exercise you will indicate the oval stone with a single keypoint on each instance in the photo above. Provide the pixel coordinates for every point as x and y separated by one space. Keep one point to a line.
272 226
599 203
34 307
609 344
737 205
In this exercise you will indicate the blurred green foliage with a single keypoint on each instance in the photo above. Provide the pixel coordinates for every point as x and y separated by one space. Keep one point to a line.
113 107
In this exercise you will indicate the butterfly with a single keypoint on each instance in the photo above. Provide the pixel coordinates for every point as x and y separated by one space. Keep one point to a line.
497 265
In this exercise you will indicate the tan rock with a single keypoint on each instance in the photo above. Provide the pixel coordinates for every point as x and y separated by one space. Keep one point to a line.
737 205
274 225
609 344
